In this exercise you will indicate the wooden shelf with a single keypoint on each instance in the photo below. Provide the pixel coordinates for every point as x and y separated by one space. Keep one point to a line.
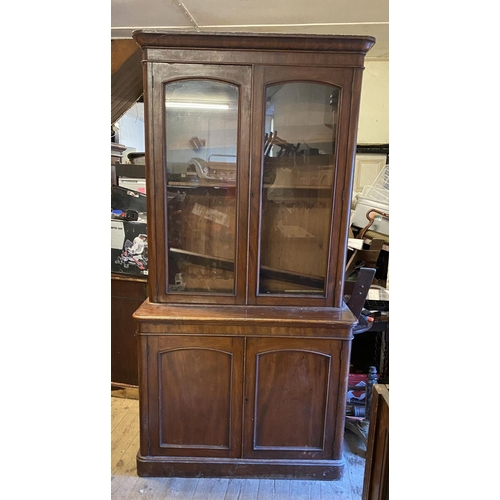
302 187
265 271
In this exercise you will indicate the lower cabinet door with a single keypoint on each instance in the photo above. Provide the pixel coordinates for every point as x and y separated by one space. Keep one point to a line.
195 402
291 399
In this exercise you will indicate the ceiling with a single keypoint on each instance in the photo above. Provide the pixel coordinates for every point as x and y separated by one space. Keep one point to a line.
339 17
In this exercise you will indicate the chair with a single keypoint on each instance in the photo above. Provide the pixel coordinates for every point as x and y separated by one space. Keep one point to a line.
371 254
355 301
355 298
363 258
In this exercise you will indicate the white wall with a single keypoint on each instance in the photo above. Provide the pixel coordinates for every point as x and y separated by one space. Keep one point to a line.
131 129
373 125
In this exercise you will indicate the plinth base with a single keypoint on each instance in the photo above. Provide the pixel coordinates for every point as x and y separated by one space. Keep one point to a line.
239 468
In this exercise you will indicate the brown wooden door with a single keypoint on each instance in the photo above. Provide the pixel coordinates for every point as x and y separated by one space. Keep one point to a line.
300 184
291 398
198 216
195 396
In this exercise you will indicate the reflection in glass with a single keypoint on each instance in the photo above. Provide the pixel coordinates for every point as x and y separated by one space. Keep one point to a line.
298 160
201 150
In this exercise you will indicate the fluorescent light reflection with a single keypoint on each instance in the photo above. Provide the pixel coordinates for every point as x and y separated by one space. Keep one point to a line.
195 105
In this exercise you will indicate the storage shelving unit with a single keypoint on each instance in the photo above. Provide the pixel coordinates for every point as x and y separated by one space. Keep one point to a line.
244 340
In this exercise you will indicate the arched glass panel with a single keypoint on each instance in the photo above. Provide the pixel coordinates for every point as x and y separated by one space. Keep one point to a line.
201 150
297 183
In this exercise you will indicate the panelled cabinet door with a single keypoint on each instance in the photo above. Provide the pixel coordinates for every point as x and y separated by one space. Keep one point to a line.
200 167
195 396
300 192
366 169
291 398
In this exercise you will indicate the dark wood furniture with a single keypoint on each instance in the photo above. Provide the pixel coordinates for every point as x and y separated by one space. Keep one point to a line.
376 478
127 294
242 391
244 340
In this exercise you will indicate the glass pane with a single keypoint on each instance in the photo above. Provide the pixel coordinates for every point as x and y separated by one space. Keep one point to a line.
298 159
201 149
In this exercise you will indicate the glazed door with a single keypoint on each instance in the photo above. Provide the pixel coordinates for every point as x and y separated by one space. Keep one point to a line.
300 183
291 399
201 166
195 396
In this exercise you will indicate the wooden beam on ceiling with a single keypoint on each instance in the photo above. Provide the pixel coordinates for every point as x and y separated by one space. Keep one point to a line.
126 77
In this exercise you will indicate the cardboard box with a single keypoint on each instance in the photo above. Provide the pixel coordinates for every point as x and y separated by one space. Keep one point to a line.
129 247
